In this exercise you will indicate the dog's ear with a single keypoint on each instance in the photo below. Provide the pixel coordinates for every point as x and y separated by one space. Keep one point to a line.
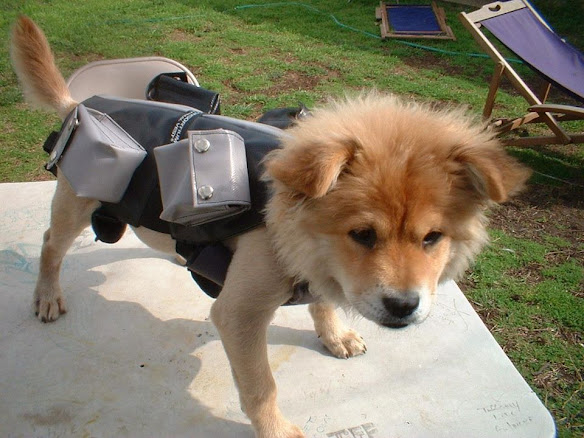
490 172
310 168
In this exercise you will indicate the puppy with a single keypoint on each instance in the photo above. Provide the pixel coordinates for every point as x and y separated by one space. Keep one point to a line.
375 202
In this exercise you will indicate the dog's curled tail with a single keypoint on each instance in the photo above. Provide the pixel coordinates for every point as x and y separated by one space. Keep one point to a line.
42 82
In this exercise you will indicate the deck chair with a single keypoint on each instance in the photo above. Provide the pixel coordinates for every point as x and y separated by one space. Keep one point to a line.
521 29
413 21
127 77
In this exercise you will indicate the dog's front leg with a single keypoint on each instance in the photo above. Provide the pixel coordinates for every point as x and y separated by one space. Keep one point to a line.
253 290
341 341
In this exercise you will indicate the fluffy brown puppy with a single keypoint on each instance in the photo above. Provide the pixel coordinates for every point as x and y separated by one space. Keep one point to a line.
375 202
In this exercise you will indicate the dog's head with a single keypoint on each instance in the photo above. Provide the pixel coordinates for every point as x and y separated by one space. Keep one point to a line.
383 201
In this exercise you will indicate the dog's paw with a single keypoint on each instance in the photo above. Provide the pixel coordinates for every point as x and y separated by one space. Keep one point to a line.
345 344
285 429
49 310
293 432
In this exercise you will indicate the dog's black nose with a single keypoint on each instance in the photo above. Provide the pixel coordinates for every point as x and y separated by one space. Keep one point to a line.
401 306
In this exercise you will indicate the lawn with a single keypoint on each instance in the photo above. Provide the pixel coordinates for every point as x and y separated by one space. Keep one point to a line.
528 286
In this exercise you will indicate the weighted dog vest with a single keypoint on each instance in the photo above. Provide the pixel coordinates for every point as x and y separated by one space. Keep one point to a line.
173 169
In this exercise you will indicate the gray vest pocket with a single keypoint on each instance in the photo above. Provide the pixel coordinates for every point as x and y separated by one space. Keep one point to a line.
203 177
98 158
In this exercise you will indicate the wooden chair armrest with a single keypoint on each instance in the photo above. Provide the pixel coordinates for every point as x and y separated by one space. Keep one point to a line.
558 109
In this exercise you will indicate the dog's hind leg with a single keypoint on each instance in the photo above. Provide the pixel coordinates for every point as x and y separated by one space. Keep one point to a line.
69 216
341 341
253 290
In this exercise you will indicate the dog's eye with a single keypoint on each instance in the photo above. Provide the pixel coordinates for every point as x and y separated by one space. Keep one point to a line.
431 238
366 237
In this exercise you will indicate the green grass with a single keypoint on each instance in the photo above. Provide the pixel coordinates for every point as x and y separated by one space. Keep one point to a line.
527 286
538 321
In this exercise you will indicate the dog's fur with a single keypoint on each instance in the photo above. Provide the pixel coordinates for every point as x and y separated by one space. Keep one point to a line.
375 202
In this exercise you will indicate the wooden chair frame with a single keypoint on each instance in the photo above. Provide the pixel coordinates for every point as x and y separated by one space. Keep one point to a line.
387 31
538 111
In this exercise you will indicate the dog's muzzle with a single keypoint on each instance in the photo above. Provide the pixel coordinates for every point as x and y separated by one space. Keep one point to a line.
393 308
399 309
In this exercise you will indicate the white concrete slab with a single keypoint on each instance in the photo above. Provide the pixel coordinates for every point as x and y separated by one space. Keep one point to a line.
136 356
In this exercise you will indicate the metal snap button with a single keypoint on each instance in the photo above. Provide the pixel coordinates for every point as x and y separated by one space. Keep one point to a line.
202 145
205 192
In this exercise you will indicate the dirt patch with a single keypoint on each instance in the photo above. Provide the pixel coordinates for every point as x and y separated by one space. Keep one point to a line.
541 214
238 51
487 313
531 274
293 81
44 176
552 377
181 36
435 62
544 211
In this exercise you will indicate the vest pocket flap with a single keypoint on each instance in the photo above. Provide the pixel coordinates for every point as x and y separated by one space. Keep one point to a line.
100 158
203 177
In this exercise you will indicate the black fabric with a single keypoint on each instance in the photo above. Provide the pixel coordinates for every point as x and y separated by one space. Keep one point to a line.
208 264
107 229
51 141
152 125
48 147
284 117
174 88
